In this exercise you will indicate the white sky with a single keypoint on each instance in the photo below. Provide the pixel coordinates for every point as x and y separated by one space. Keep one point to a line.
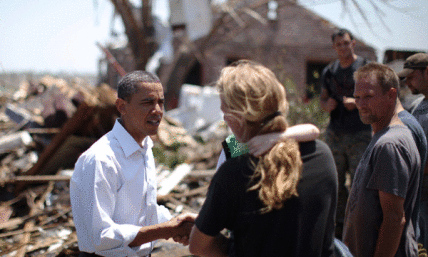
406 22
55 36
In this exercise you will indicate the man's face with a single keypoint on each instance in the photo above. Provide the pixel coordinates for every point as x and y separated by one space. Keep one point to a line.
417 82
344 46
141 116
373 104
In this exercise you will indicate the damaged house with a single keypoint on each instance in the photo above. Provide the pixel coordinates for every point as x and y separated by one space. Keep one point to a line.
284 36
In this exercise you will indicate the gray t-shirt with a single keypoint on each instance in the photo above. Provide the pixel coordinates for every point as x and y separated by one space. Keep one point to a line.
391 163
421 114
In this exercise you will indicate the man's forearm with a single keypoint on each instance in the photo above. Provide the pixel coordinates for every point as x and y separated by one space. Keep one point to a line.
151 233
302 132
178 226
389 236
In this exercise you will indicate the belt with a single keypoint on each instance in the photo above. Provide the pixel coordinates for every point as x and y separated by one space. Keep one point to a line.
85 254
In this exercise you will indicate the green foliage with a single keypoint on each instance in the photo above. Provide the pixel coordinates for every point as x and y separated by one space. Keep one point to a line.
170 157
422 252
301 111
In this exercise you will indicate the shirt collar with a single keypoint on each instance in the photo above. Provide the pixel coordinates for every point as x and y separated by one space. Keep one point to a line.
127 142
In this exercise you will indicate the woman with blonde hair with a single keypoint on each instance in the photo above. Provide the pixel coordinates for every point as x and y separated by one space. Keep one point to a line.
281 203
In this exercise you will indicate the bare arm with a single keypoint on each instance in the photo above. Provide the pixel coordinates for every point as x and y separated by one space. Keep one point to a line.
178 226
301 133
392 224
207 246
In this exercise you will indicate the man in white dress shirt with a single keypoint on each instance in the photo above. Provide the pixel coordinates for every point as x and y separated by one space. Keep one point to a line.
113 188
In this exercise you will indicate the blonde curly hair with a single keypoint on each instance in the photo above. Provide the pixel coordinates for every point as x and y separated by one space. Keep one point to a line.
253 93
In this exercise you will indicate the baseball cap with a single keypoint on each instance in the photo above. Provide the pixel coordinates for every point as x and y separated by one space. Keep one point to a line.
414 62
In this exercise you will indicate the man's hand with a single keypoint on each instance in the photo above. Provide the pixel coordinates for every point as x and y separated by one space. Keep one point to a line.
349 103
183 234
330 104
183 224
327 103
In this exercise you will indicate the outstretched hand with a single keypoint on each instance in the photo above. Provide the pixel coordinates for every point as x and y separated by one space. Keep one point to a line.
184 223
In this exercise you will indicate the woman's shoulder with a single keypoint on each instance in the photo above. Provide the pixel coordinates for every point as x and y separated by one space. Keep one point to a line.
238 168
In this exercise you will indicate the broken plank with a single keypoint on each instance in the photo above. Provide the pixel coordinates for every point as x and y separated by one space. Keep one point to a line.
22 231
174 203
202 173
43 130
36 179
174 178
193 192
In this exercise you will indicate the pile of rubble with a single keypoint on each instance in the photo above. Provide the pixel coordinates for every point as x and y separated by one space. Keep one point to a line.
46 125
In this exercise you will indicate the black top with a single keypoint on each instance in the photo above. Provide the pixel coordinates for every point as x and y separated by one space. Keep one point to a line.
340 82
303 227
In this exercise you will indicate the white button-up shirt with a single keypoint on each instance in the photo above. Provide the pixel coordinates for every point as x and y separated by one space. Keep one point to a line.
113 194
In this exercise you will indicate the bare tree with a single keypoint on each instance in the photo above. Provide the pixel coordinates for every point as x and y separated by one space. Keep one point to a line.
140 33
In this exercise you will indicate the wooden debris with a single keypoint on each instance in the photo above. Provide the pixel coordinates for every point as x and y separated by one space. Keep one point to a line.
14 141
174 178
82 115
36 179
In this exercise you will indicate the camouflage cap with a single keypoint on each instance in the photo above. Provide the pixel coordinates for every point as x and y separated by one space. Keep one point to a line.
414 62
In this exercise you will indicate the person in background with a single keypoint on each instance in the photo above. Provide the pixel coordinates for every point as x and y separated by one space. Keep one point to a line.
113 187
279 204
380 213
346 135
416 73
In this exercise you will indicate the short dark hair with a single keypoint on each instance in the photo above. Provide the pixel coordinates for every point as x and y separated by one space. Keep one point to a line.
130 83
341 33
381 73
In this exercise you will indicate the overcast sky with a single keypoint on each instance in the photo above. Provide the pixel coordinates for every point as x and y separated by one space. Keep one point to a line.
54 36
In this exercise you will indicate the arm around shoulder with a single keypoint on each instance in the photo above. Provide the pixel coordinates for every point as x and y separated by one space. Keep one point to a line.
258 145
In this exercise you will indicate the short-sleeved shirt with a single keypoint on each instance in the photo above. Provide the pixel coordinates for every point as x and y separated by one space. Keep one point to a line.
390 164
303 227
339 82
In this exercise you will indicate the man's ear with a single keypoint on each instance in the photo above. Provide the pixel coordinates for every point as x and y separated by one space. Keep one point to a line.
120 106
426 73
393 93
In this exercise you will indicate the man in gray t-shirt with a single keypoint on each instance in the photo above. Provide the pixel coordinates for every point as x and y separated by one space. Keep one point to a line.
416 73
384 193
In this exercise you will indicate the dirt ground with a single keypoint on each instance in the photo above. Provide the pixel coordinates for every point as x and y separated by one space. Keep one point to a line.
169 248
